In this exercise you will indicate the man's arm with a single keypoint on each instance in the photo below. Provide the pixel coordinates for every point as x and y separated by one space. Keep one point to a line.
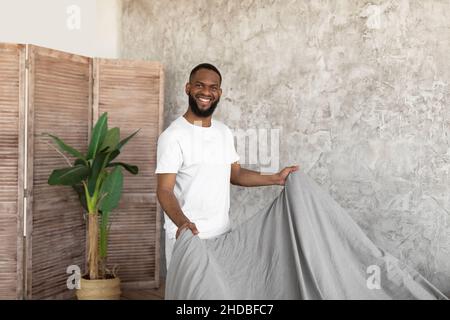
169 202
248 178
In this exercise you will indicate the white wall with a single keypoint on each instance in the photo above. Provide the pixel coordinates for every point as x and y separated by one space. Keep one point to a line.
86 27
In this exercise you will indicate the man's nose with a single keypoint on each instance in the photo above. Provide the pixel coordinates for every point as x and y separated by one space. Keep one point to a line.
206 91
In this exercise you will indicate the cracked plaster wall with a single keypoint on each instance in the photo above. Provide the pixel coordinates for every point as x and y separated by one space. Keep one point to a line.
360 91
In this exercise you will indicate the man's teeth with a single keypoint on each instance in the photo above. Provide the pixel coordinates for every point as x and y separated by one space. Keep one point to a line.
204 99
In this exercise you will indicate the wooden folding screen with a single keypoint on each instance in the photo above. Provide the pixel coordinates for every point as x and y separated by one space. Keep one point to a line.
12 103
59 103
63 94
132 94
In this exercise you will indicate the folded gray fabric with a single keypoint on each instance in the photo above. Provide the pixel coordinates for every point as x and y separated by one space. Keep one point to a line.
302 246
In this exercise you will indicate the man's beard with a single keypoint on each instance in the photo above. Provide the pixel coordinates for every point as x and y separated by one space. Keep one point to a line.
202 113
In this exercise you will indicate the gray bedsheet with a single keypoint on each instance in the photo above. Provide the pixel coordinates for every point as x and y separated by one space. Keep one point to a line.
302 246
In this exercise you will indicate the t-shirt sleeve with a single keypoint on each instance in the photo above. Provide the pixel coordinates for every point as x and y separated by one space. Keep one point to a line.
234 156
169 157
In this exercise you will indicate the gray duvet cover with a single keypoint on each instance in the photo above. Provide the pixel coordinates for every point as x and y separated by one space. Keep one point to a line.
302 246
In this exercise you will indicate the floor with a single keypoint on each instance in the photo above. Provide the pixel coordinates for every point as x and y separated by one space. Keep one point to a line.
145 294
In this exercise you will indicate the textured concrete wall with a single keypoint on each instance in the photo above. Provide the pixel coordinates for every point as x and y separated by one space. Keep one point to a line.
359 89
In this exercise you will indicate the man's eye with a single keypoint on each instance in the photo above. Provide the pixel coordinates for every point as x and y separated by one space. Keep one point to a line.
198 85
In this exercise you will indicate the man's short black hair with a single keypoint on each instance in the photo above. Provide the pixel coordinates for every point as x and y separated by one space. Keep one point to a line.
205 66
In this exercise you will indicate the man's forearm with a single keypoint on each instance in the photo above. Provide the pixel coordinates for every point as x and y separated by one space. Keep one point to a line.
250 178
171 207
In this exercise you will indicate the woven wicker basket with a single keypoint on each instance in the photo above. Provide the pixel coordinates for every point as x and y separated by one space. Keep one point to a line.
104 289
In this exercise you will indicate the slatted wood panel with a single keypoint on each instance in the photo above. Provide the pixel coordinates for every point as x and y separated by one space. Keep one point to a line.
59 103
12 71
132 94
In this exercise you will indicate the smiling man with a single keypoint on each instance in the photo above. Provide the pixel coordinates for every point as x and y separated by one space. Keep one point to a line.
197 160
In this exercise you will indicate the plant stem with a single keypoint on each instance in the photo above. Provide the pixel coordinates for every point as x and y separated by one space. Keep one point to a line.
92 233
93 246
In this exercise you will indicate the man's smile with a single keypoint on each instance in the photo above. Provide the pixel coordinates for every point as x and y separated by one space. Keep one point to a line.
204 101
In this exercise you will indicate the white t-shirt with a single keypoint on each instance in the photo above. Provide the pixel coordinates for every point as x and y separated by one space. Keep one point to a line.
201 157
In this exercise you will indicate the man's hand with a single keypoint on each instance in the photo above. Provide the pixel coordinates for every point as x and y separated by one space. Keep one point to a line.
187 225
283 174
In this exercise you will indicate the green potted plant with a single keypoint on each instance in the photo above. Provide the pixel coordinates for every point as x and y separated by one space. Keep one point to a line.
98 182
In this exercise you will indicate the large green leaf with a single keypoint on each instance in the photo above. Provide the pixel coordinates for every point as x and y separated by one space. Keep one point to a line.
68 176
124 141
79 189
111 190
80 162
97 166
111 140
104 228
98 135
130 168
65 148
113 155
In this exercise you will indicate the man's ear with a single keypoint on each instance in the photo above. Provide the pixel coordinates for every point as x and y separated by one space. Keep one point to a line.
187 88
